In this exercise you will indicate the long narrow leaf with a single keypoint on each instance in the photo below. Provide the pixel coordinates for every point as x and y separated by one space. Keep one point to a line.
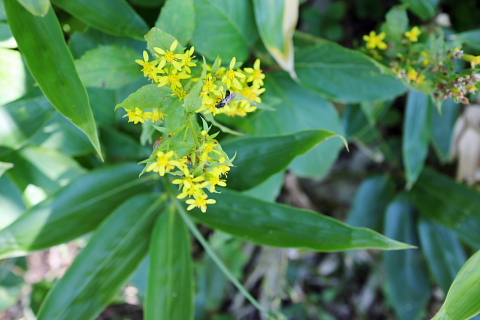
170 285
74 210
283 226
41 42
99 271
114 17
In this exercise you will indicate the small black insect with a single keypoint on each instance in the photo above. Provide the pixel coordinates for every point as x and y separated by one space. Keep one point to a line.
228 97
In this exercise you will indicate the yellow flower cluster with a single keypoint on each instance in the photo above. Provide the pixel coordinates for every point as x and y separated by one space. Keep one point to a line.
202 168
187 152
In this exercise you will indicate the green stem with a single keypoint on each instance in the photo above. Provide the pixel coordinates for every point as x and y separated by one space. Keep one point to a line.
193 228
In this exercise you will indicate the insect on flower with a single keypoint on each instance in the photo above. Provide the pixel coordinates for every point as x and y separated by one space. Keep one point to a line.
228 97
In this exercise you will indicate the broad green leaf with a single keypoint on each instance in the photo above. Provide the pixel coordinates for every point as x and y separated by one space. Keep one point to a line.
11 202
157 38
44 168
178 19
109 67
269 189
74 210
463 300
258 158
396 23
148 96
4 166
371 200
12 76
41 41
276 22
452 204
21 120
300 109
120 146
344 75
444 252
425 9
283 226
224 28
59 133
170 286
407 277
117 18
470 38
106 263
442 128
416 134
103 103
36 7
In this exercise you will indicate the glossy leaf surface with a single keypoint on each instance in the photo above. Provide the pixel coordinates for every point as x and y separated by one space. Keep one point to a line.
73 211
178 19
106 263
284 226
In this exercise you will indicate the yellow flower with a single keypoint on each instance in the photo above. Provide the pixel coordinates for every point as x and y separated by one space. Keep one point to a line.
173 79
475 61
413 34
157 115
231 76
163 163
426 60
200 202
375 41
187 60
215 181
414 75
137 116
256 74
169 55
180 93
149 68
252 93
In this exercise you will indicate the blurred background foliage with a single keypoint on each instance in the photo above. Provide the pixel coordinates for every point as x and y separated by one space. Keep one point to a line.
398 178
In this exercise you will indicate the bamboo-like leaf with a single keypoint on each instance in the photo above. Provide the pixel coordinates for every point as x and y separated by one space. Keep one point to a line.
42 43
36 7
106 263
170 286
283 226
114 17
74 210
276 22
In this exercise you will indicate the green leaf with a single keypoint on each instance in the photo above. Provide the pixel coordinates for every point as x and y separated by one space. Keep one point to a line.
300 109
370 202
452 204
462 301
224 28
120 146
157 38
59 133
283 226
11 202
110 67
42 43
344 75
45 168
36 7
11 284
21 120
425 9
12 76
6 36
444 252
268 190
106 263
258 158
442 128
148 96
416 134
170 286
276 21
178 19
470 38
116 18
4 166
407 276
74 210
396 23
